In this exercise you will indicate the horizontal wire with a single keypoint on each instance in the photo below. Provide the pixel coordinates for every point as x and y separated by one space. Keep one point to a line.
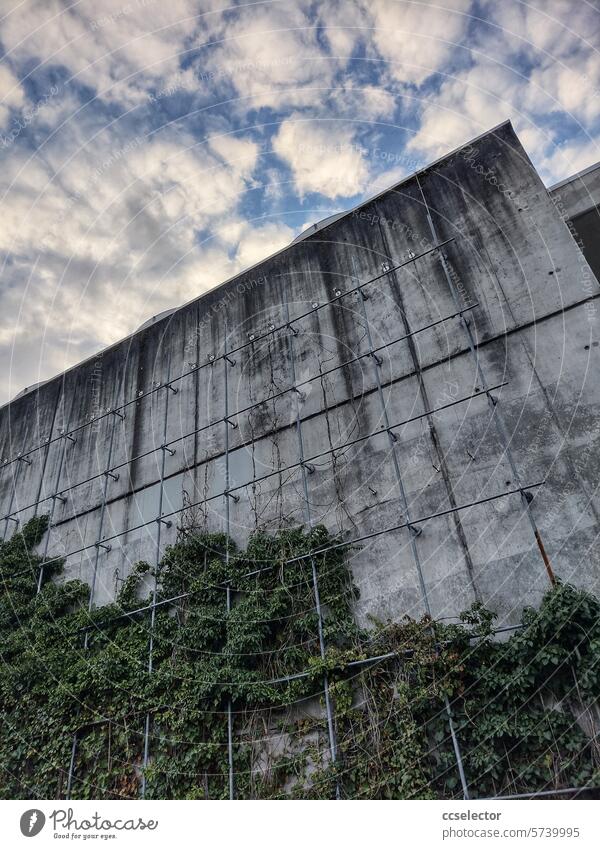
262 478
250 407
325 549
259 337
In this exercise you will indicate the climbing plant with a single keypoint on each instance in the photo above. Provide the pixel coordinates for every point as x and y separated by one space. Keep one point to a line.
76 688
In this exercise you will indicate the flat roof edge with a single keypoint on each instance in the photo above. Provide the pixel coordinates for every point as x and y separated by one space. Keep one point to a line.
169 312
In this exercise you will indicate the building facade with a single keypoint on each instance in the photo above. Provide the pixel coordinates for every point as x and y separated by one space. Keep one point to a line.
417 374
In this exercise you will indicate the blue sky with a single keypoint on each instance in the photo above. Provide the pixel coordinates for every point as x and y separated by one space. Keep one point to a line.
149 149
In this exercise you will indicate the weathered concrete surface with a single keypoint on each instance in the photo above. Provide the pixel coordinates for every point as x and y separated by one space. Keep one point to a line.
533 318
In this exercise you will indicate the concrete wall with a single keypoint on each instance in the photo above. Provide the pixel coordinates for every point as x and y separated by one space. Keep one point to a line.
532 313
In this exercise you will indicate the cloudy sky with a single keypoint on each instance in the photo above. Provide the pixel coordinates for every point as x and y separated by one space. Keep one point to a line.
150 149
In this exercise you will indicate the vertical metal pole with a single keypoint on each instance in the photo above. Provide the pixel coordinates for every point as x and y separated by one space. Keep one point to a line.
96 557
413 532
492 402
230 724
71 766
156 565
226 424
315 581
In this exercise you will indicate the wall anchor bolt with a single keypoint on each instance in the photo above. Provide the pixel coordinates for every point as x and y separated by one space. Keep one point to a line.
230 422
415 530
103 545
229 360
24 459
385 267
211 358
229 494
166 522
171 451
377 359
309 467
59 497
337 293
271 327
371 490
112 475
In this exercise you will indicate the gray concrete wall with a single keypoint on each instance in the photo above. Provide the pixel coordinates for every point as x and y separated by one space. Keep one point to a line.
532 313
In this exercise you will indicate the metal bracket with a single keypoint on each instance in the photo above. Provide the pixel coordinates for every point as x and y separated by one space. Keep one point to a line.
377 359
230 422
309 467
165 447
112 475
362 294
103 545
117 413
292 328
59 497
393 436
165 522
24 459
229 360
415 530
229 494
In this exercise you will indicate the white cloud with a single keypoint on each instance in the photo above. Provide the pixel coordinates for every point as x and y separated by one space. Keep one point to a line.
417 39
272 57
12 95
471 103
256 243
323 157
113 238
118 49
363 103
569 159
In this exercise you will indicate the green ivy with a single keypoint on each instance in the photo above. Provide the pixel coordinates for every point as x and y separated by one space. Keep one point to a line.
67 674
